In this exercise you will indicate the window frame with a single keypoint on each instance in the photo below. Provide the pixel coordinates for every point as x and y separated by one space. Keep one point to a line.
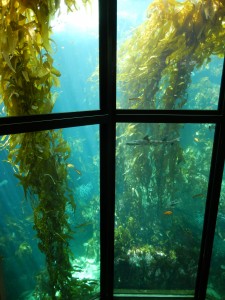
107 117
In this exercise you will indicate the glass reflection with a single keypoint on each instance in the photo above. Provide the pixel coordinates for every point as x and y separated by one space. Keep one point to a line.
169 59
49 189
161 184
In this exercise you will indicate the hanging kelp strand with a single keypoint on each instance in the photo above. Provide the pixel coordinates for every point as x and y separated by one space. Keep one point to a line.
39 159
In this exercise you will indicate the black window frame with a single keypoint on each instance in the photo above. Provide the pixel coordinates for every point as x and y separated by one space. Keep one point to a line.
107 117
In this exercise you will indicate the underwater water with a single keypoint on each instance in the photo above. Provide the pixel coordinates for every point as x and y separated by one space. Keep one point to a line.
76 56
161 66
50 180
70 180
161 185
74 42
162 169
23 264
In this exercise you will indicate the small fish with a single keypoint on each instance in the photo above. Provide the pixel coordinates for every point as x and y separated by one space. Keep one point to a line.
196 139
72 166
174 203
200 195
168 212
83 225
78 172
135 99
143 142
147 141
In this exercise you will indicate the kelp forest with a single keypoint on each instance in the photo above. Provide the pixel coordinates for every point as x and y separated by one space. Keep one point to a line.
39 159
171 61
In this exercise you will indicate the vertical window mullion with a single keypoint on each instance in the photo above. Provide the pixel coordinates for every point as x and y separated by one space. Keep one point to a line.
107 77
213 197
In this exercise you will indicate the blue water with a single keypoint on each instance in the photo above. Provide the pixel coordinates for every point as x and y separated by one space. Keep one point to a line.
22 260
150 238
77 59
75 54
19 267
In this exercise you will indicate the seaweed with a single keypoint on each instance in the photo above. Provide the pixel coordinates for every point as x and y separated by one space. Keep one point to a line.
39 159
155 66
155 183
156 62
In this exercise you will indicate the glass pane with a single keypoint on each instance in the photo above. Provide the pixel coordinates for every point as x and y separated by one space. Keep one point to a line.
48 61
161 184
76 56
216 289
170 54
49 190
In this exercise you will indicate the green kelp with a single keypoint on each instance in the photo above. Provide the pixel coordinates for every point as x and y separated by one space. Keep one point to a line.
39 159
155 183
155 64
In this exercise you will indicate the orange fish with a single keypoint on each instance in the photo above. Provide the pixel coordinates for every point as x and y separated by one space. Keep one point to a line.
168 212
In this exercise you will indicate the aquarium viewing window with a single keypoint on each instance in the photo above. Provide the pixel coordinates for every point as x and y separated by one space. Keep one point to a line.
112 137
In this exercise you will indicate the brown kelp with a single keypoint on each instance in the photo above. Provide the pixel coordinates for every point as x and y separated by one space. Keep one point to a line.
39 159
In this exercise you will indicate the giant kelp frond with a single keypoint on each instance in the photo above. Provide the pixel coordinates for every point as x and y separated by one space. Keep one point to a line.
39 159
26 66
155 64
